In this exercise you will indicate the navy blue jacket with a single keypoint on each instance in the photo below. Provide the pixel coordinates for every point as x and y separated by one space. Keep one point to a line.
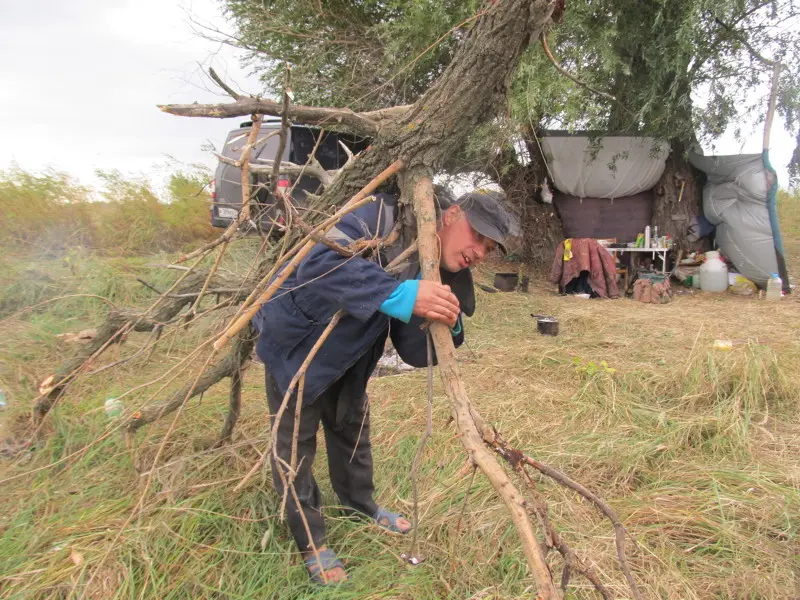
324 282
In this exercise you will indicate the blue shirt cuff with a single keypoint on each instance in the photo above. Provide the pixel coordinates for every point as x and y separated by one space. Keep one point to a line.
457 328
400 304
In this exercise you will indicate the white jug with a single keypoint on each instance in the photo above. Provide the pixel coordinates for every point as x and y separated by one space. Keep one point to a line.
713 273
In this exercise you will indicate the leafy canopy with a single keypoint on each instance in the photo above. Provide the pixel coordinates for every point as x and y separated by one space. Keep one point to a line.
679 69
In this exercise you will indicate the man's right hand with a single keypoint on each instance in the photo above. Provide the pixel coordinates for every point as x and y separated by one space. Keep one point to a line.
437 303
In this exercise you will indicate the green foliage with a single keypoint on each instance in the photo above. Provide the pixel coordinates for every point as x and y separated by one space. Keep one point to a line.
680 69
347 53
51 213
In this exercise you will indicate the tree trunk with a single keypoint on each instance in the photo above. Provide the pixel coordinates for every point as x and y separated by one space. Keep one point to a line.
678 199
472 90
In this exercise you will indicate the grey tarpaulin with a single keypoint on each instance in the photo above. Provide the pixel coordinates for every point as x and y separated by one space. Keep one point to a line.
608 167
735 199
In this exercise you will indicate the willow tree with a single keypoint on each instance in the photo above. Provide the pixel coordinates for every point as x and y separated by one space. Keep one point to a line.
678 70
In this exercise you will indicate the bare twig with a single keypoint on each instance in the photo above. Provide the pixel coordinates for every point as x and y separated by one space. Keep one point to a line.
235 403
289 391
603 507
218 80
461 519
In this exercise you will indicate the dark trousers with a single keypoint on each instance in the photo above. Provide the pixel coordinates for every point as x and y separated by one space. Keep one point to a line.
344 412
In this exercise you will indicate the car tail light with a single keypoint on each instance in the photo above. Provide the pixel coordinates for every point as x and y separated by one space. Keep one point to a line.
213 189
283 183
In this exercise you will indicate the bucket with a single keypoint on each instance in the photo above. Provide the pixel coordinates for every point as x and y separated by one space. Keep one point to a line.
506 282
546 325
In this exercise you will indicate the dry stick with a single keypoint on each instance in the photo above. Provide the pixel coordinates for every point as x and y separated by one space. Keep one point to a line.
360 197
571 560
292 467
218 80
308 162
297 412
68 379
465 416
619 528
301 245
41 411
235 403
121 422
308 534
297 376
310 115
244 213
156 333
461 518
422 442
192 312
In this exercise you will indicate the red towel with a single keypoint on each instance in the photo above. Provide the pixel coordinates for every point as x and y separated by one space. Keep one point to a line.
587 255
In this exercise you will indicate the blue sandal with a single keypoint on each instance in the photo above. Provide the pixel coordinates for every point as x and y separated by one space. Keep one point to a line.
329 561
391 521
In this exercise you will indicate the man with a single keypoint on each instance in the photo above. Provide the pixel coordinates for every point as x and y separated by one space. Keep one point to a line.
376 305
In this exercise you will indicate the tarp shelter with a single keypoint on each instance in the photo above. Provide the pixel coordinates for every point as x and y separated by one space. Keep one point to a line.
604 185
604 189
740 200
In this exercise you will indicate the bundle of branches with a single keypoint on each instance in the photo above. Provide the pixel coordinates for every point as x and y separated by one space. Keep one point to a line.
411 143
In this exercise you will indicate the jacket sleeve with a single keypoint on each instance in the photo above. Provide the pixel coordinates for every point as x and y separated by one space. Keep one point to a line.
409 340
354 284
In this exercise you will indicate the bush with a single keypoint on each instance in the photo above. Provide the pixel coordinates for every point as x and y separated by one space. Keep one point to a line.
51 213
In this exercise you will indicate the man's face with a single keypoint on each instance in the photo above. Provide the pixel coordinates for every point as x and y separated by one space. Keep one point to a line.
461 245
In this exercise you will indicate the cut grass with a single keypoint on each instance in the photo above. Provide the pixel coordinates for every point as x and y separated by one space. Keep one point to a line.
695 448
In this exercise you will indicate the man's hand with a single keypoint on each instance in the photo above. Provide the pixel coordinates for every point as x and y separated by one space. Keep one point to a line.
437 303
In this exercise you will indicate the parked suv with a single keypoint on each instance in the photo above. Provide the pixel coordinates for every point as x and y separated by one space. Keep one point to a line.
226 190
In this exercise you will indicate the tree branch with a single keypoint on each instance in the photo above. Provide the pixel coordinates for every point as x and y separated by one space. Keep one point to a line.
226 367
742 39
218 80
360 198
573 78
308 115
463 412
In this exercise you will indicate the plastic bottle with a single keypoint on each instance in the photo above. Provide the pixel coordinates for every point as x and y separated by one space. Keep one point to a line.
774 285
114 408
714 273
647 236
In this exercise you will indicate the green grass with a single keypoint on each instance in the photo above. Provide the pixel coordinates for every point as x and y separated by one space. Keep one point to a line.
695 448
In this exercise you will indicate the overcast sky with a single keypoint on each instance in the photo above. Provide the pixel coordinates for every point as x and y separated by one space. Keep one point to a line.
81 80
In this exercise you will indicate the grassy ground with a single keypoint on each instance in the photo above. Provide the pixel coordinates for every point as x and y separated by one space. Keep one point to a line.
695 448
